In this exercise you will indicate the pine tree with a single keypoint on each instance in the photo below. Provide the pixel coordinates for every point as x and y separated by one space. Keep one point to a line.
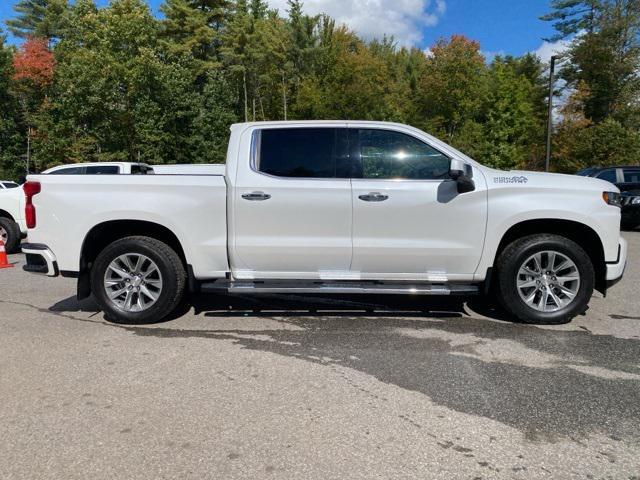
572 16
605 56
258 9
38 18
193 26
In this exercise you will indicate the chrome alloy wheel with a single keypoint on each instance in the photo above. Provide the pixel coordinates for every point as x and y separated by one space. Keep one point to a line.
548 281
133 282
4 235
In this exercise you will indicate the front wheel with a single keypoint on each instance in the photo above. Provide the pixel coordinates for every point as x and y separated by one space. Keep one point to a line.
138 280
545 279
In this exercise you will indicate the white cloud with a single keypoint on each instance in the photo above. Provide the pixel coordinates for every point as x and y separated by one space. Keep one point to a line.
545 52
403 19
548 49
491 55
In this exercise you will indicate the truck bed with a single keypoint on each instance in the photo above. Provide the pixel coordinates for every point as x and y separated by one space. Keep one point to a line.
191 207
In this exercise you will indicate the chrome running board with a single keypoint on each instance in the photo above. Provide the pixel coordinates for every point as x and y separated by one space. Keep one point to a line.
351 287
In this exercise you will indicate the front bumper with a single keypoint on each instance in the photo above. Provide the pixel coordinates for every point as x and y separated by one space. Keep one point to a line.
615 269
40 260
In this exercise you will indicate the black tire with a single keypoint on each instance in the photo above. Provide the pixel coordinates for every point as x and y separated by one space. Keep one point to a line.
630 226
513 257
12 244
170 266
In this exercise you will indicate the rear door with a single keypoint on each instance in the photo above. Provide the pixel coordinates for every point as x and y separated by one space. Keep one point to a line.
409 221
291 208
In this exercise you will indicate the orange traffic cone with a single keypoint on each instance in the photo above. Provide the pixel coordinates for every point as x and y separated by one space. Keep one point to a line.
4 260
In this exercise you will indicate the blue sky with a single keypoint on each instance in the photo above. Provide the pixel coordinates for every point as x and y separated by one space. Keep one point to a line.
501 26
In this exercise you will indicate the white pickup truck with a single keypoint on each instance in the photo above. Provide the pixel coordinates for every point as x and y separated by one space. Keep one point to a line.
330 207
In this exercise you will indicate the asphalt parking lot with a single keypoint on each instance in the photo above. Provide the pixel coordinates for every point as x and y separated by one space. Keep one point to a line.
312 387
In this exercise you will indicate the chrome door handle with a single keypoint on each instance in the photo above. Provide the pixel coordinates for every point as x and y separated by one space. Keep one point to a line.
373 197
256 196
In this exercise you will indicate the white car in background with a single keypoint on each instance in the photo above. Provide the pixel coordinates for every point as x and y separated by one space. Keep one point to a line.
100 168
7 184
128 168
12 223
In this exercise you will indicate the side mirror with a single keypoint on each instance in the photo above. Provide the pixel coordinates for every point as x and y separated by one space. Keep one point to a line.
463 175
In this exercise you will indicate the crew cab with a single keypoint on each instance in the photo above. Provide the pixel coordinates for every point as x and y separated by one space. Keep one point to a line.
330 207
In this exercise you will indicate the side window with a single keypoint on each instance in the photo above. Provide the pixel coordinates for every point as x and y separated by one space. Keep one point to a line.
103 170
303 152
387 154
608 175
68 171
632 175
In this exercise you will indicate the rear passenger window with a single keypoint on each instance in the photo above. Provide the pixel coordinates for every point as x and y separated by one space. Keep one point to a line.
631 175
103 170
608 175
386 154
303 153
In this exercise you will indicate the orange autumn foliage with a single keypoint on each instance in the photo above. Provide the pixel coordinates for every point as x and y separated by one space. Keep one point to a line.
34 62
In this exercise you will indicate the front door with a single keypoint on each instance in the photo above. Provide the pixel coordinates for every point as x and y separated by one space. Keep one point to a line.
292 209
409 222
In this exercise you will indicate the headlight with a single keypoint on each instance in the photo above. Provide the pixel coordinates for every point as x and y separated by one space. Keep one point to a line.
634 201
612 198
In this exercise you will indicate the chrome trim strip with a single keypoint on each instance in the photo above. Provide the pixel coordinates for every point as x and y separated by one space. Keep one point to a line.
342 290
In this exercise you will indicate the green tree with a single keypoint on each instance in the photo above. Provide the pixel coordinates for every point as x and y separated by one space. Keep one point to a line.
235 53
572 16
118 97
38 18
452 86
11 138
349 81
194 27
605 54
510 117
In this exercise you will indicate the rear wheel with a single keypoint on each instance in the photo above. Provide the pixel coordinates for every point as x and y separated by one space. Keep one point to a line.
10 234
545 279
138 280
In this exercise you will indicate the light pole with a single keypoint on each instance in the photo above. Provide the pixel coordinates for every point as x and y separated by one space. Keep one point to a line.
552 67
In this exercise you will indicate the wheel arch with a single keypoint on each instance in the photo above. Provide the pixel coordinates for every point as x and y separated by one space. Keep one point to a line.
103 234
5 214
582 234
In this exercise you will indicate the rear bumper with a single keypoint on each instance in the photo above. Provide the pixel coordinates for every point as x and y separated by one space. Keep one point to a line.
40 260
615 270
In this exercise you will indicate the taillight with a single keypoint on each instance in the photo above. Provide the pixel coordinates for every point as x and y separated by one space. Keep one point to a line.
30 189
